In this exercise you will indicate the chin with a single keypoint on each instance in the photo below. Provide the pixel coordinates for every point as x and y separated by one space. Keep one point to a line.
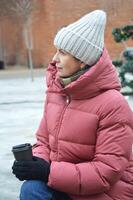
63 76
60 74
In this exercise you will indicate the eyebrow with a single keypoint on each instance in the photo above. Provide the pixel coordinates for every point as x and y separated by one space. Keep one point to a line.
61 50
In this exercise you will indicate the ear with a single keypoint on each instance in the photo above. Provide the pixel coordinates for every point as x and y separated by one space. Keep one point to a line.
82 65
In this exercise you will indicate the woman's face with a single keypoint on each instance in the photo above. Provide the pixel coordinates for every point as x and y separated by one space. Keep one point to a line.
66 64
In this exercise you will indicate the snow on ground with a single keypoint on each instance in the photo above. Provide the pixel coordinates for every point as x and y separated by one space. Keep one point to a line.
21 108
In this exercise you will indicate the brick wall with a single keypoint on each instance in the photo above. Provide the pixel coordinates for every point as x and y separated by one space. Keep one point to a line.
55 13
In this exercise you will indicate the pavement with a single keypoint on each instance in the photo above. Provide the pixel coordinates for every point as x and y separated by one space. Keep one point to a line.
20 72
21 109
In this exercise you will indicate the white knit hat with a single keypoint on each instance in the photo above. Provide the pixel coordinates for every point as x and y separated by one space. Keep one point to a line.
84 39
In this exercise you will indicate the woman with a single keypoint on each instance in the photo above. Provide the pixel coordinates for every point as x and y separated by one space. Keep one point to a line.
84 142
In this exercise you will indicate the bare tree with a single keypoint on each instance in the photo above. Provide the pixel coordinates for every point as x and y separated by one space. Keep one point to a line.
24 10
21 12
3 13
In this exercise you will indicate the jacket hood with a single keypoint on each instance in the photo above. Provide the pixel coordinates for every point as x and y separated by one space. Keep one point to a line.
99 78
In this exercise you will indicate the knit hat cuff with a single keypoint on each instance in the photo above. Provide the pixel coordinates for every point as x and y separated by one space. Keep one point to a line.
79 46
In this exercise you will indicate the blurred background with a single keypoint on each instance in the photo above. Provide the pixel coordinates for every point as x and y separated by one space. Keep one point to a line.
27 29
32 24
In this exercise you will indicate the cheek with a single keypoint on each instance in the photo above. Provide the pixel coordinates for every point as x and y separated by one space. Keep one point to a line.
69 70
69 66
65 64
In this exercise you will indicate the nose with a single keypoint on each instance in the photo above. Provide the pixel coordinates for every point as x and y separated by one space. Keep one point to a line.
55 57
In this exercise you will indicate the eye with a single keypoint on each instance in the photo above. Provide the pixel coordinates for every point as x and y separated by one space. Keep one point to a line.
62 52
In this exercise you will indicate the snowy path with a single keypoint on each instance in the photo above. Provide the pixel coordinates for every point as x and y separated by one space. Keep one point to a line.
21 107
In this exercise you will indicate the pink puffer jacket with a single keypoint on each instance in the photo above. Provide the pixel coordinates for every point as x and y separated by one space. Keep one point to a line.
87 134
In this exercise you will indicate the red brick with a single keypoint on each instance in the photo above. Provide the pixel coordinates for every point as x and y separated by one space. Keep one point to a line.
55 13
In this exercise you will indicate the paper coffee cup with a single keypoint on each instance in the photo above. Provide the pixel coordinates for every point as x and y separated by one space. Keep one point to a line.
22 151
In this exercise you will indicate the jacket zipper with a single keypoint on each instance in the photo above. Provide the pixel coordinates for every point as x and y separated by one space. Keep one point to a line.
61 117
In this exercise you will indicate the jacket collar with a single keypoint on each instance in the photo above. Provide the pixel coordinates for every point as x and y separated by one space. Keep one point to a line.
100 77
